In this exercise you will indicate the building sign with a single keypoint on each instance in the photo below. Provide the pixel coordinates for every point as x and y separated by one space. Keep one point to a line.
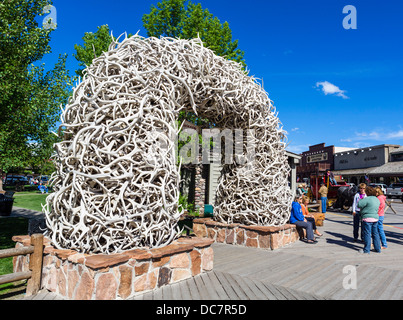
370 158
316 158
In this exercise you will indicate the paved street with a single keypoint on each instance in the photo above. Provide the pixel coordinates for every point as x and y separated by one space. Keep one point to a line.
391 219
26 213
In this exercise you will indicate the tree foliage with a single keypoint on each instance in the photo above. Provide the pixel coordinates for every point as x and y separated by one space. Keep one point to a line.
186 20
29 96
94 45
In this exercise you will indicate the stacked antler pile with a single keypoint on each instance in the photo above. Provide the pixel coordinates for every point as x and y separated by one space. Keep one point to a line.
116 185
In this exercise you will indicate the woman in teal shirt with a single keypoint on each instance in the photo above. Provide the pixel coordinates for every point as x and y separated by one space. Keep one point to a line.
369 220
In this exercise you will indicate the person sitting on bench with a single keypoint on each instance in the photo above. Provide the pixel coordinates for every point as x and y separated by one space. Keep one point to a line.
309 217
299 220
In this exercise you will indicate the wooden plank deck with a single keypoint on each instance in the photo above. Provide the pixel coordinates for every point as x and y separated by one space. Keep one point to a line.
299 271
304 271
44 295
318 269
225 286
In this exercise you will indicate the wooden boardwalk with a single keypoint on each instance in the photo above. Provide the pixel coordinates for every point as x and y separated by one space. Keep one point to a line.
299 271
217 285
44 295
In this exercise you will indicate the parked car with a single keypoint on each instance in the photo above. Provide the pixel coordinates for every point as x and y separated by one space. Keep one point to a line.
394 190
13 180
381 185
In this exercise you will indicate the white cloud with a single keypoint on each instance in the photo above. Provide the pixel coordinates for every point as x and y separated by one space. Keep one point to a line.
294 129
297 148
376 135
396 135
329 88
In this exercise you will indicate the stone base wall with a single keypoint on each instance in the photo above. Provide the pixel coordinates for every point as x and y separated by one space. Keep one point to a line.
79 276
248 236
200 188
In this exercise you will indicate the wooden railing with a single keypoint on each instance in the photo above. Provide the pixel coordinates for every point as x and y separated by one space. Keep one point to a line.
35 264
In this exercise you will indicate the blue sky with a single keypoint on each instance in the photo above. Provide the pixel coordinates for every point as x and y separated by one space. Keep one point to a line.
342 87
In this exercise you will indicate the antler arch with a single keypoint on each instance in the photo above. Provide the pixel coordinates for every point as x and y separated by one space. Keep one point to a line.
116 183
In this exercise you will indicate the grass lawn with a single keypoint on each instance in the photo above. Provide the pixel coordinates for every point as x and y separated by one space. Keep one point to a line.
30 200
10 227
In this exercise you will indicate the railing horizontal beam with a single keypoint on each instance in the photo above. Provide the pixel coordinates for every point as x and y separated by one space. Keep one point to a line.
12 277
16 252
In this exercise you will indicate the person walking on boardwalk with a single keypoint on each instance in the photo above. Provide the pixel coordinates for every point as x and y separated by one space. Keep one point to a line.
299 220
381 213
356 211
369 207
323 196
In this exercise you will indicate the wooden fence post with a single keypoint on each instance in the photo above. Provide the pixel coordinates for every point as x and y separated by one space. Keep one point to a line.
35 264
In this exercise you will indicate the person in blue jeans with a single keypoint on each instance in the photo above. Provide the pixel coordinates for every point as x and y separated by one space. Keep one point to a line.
356 211
381 214
297 218
323 196
369 220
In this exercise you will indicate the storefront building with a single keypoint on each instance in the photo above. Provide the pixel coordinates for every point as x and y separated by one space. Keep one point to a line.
317 161
376 164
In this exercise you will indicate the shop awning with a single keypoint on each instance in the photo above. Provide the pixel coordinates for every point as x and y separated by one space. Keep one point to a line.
353 172
388 169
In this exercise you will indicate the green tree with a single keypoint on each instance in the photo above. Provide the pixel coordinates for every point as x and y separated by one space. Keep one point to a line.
29 95
40 160
186 20
94 45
